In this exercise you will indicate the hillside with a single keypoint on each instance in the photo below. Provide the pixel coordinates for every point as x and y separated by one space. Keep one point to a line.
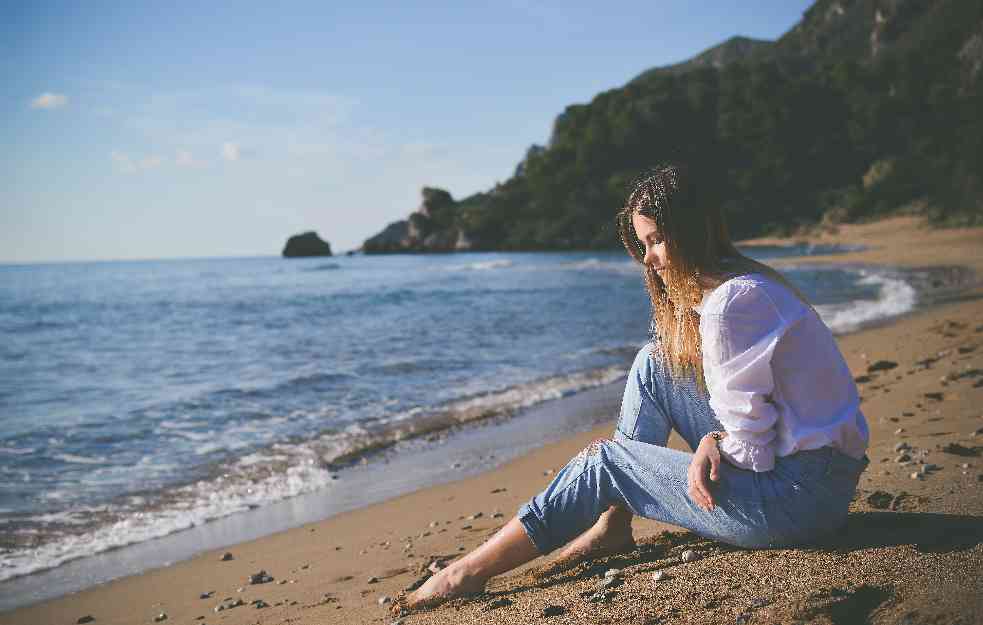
862 108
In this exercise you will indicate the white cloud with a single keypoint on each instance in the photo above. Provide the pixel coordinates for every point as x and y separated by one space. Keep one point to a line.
49 101
152 161
122 162
231 151
185 158
126 164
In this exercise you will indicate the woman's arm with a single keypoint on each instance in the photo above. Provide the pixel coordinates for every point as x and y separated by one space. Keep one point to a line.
705 463
739 337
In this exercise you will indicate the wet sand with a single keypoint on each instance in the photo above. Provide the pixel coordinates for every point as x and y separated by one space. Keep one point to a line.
912 551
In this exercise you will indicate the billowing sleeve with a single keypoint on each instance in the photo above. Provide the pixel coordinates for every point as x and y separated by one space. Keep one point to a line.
739 335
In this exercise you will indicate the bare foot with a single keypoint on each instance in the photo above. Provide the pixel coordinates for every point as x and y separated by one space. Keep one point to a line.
609 536
448 584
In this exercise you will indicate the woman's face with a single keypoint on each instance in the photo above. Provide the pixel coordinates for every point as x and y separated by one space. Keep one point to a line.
655 246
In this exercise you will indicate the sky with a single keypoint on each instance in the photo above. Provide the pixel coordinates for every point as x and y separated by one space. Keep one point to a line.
136 130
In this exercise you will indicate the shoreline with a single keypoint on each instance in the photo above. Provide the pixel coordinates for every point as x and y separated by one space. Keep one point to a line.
408 450
330 455
521 477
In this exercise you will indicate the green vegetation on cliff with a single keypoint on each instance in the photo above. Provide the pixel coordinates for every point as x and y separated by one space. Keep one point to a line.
864 107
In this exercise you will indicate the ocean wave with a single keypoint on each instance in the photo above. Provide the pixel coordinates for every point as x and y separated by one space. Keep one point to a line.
280 471
895 297
596 264
485 265
323 267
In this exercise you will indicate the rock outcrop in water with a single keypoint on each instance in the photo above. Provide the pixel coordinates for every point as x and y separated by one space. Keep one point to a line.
433 227
306 244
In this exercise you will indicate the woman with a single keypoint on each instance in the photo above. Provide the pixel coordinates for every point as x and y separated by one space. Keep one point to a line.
742 368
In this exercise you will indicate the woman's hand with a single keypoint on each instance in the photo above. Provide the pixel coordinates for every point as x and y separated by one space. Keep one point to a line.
706 462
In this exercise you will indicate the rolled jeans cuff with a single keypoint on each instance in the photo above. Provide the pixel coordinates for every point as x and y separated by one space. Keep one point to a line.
535 528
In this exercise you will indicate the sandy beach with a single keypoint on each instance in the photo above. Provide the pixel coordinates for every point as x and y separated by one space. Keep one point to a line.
912 551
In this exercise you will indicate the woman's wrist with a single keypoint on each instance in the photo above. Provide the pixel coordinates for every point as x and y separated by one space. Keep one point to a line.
715 436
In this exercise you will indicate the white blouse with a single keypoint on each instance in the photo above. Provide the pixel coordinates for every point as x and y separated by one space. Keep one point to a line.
777 380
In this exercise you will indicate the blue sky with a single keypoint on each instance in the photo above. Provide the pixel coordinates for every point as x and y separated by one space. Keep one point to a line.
188 129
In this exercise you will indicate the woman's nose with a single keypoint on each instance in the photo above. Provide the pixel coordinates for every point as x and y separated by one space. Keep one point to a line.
649 257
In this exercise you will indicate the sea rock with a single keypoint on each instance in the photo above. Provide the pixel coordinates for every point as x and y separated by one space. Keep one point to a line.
553 610
690 556
306 244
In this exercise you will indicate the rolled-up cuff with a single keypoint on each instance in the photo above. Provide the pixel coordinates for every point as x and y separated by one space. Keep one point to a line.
745 455
535 529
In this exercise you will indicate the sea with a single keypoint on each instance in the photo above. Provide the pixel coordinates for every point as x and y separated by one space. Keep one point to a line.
140 399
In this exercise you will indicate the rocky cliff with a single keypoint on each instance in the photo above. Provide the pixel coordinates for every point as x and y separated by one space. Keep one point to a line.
431 228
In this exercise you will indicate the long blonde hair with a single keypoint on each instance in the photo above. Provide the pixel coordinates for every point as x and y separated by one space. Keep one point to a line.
701 256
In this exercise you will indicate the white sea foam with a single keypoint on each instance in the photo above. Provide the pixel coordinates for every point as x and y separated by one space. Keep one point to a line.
195 504
596 264
485 265
75 459
17 451
278 472
895 297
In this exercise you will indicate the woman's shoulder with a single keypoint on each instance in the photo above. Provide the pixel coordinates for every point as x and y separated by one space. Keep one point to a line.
738 293
754 293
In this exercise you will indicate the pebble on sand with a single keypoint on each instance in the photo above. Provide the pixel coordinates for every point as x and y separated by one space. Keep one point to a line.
916 475
262 577
690 556
88 618
658 576
226 557
160 617
882 365
501 602
553 610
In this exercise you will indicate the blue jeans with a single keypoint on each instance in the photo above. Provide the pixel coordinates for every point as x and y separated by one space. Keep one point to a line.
806 495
